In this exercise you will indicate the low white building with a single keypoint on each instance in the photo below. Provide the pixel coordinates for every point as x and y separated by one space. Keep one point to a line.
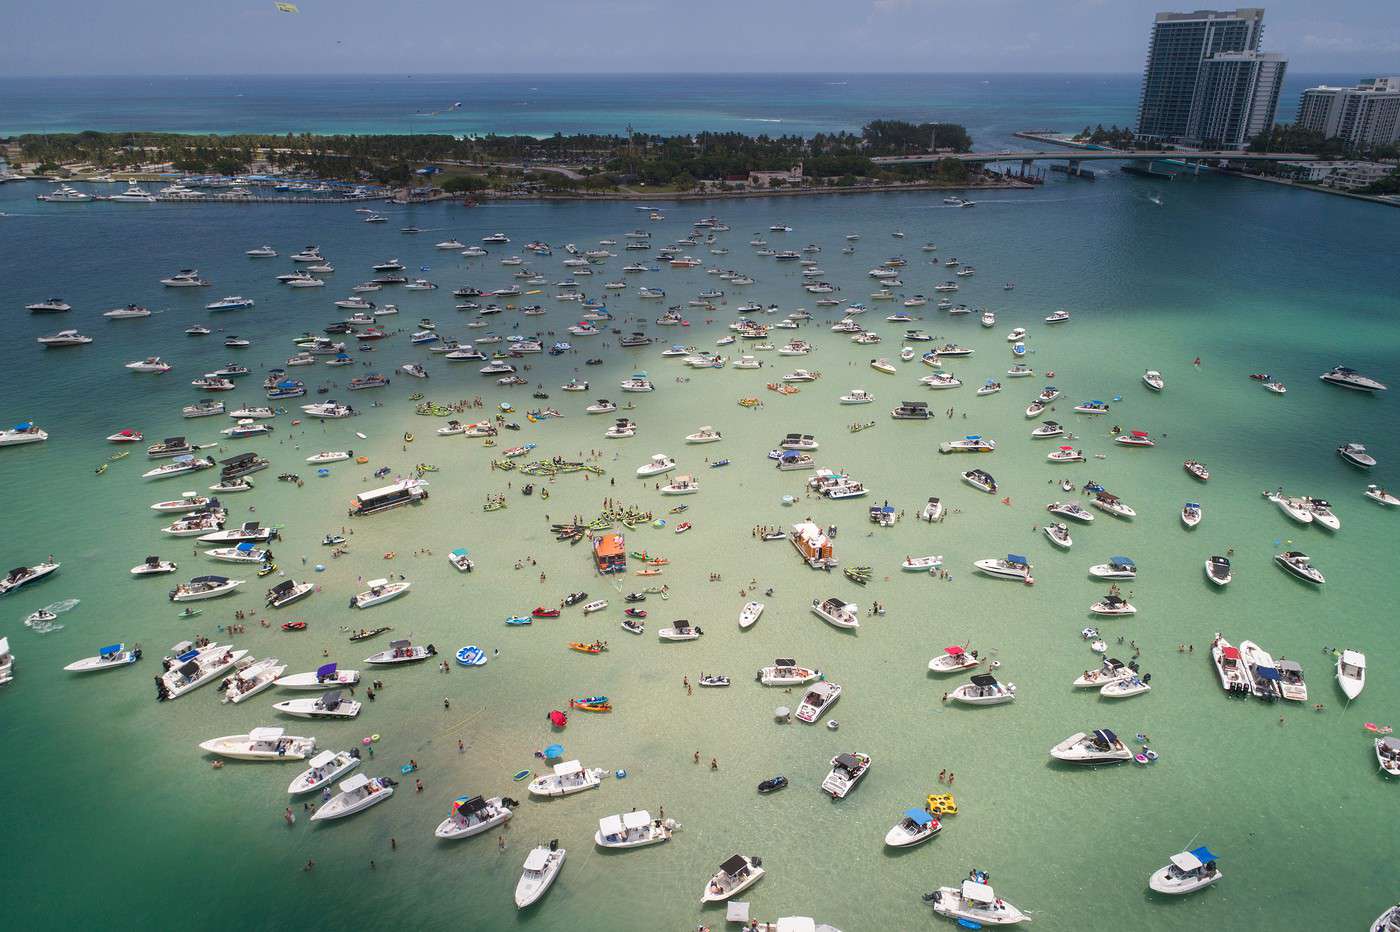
1346 174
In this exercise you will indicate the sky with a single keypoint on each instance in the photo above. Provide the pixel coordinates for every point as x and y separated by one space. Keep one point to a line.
102 37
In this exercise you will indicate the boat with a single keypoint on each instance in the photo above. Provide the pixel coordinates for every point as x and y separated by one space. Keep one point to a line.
472 815
1379 495
108 658
932 510
204 587
837 611
921 564
980 479
330 456
130 311
179 466
846 771
1107 501
243 553
1351 672
149 364
1113 605
1298 564
633 829
1388 755
1191 514
786 672
1091 407
1263 671
1115 568
260 744
323 769
230 303
681 485
326 676
252 679
1140 438
402 652
365 634
749 614
1153 380
1196 470
1100 746
681 630
1218 570
566 779
983 689
330 704
1344 377
64 338
972 443
1187 872
459 558
705 434
287 591
1071 510
1290 684
1356 455
248 532
733 877
1012 566
154 566
659 463
1109 671
357 793
24 575
597 605
817 700
974 905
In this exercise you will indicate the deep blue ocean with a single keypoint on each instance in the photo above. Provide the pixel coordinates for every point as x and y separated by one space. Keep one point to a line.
991 106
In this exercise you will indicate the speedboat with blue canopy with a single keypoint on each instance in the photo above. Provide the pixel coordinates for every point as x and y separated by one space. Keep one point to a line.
914 827
108 658
1115 568
1188 872
1014 566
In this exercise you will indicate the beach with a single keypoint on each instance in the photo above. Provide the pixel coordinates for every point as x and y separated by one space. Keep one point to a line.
1247 278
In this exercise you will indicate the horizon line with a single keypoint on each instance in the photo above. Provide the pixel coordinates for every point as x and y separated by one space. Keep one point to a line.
574 74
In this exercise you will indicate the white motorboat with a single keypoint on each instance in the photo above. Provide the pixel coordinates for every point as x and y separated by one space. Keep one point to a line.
1351 672
243 553
130 311
1298 564
1379 495
260 744
1388 755
915 827
634 829
248 532
659 463
327 705
597 605
923 564
402 652
357 794
837 611
1110 671
149 364
541 867
1188 872
64 338
1108 502
459 558
975 903
705 434
324 768
981 479
972 443
1153 380
7 662
190 667
1071 510
179 466
1125 688
204 587
230 303
1058 534
566 779
1263 672
940 380
24 575
1140 438
1230 667
621 428
1013 566
786 672
954 659
817 700
846 771
1290 680
1115 568
1356 455
733 877
1191 514
51 306
932 510
681 630
287 591
379 591
1344 377
681 485
1066 454
261 252
231 485
252 679
472 815
326 676
983 689
1100 746
330 456
108 658
154 566
205 407
1218 570
749 614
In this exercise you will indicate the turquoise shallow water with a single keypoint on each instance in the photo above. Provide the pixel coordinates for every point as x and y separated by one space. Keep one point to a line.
1248 277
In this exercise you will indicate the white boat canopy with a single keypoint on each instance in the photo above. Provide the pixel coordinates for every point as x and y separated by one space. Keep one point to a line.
266 733
610 825
568 768
358 781
324 759
1186 861
977 892
637 819
537 859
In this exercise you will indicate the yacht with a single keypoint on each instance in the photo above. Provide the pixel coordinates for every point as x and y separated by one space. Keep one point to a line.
230 303
846 771
357 793
402 652
1298 564
1188 872
786 672
379 591
108 658
1351 672
566 779
324 768
133 194
817 700
633 829
1344 377
1218 570
327 705
261 252
1353 453
64 338
131 310
975 904
64 194
837 611
1097 747
204 587
733 877
22 433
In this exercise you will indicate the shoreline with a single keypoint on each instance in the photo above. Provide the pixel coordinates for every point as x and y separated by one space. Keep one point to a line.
726 195
1319 189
